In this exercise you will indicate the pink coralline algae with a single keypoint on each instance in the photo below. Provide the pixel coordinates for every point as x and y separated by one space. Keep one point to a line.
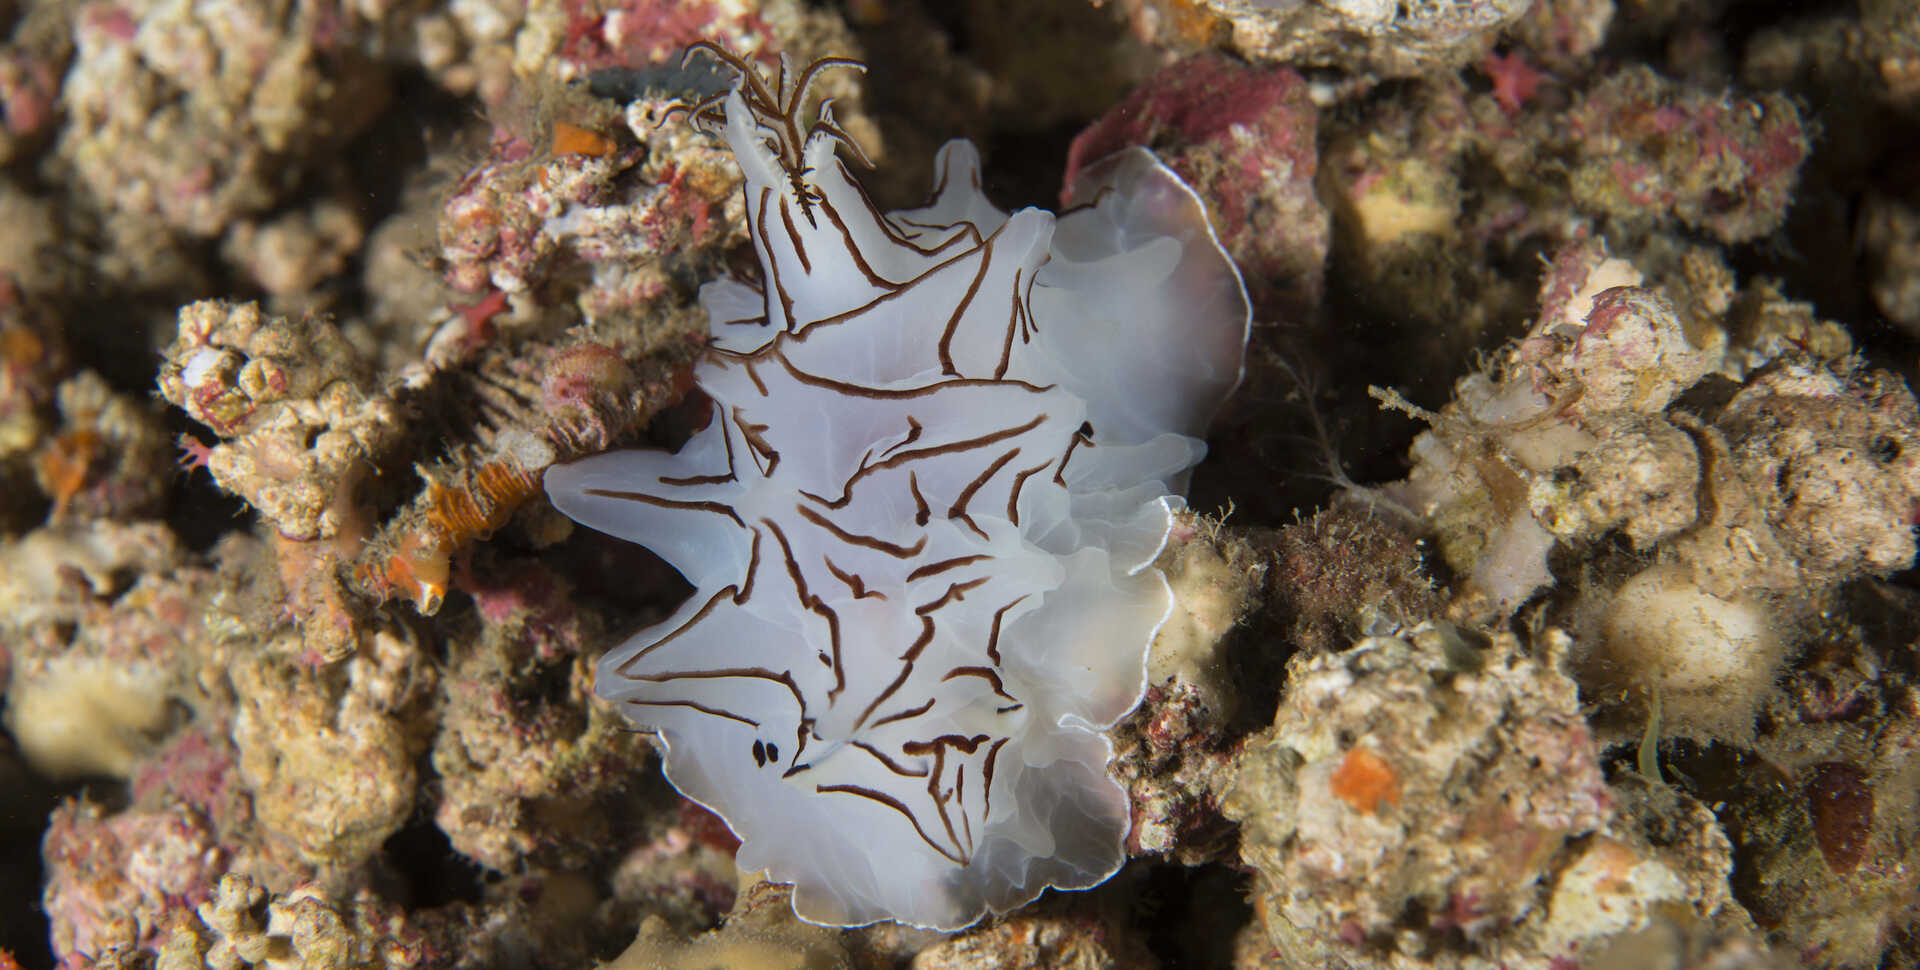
1395 38
1642 145
527 214
1563 33
490 225
637 33
528 778
1244 138
182 118
1442 794
1171 759
1514 80
124 876
27 89
195 768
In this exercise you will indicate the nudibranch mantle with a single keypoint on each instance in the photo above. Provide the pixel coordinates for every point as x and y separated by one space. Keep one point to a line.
946 447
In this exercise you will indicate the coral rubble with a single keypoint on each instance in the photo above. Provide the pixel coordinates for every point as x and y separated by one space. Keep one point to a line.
1548 599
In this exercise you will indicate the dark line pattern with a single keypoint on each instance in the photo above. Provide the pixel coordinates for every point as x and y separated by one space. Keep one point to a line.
1013 493
855 584
718 508
1084 436
853 250
702 708
987 674
953 321
936 568
905 712
891 765
921 454
895 804
940 758
958 510
893 549
766 250
993 638
908 714
814 605
793 234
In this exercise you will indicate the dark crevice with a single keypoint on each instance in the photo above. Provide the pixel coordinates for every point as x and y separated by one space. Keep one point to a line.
1196 913
426 869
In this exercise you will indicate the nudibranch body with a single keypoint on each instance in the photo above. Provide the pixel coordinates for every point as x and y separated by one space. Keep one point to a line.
945 450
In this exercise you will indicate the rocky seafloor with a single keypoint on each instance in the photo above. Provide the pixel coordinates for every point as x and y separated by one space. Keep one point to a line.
1549 600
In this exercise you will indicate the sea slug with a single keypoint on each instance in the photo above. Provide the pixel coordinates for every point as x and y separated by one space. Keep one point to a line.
946 445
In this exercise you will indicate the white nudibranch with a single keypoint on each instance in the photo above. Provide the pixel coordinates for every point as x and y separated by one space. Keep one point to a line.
946 447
